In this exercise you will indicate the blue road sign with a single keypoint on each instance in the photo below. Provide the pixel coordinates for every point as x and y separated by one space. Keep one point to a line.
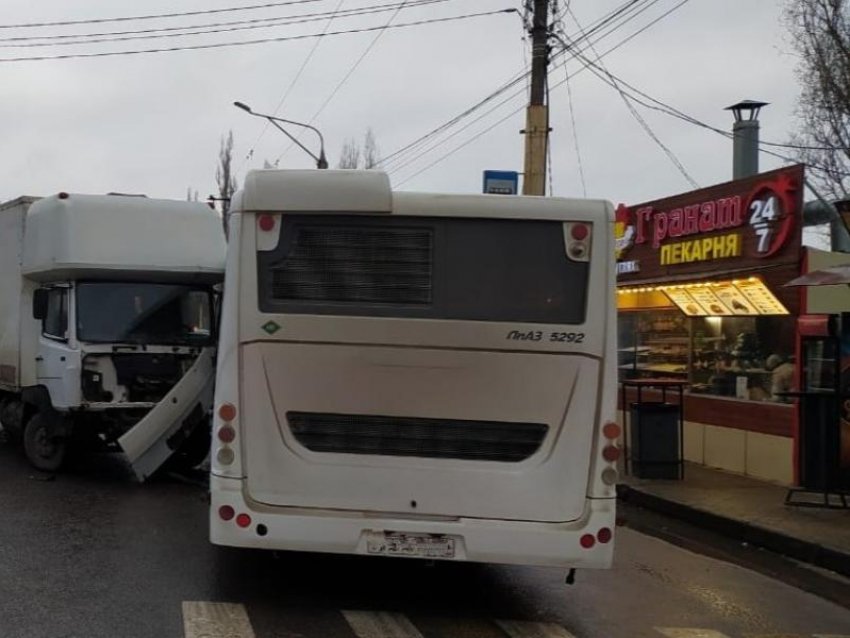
501 182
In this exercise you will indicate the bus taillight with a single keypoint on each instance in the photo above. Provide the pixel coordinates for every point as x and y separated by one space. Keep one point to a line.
604 535
266 223
227 412
579 232
611 431
587 541
577 236
611 453
226 434
225 456
226 512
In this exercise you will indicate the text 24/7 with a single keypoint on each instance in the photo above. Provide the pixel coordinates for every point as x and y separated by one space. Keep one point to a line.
537 335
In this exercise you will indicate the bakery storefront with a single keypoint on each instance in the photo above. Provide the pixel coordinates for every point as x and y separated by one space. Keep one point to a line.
701 299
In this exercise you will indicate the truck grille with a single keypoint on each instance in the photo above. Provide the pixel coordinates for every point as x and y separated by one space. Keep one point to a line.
407 436
367 264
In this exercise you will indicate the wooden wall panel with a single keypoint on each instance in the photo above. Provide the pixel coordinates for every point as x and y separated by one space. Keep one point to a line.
752 416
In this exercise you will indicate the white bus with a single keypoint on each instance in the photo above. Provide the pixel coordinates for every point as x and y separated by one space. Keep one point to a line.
421 375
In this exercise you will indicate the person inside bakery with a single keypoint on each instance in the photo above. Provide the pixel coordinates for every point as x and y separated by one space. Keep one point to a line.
781 377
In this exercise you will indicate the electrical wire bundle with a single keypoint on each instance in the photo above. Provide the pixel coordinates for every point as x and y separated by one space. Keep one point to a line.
33 38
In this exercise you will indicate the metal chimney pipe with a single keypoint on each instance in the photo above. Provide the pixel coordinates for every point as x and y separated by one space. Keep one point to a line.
745 131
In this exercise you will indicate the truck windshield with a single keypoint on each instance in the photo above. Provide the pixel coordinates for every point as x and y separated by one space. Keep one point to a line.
164 314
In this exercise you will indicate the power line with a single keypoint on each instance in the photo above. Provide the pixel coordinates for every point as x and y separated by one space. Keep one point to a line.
676 113
484 131
292 84
621 12
274 23
191 30
350 72
638 117
575 130
523 75
460 146
617 13
514 112
559 24
158 16
605 20
663 107
410 160
220 45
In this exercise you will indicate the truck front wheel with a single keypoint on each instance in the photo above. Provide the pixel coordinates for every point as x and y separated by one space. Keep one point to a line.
44 447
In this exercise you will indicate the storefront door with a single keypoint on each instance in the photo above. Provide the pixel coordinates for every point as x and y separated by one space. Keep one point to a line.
825 411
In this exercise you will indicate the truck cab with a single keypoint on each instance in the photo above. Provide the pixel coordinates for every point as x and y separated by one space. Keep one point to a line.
112 309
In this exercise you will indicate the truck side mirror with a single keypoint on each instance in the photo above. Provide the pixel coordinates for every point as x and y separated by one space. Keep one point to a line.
39 304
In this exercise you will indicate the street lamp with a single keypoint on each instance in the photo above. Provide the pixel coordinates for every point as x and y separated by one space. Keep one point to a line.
321 161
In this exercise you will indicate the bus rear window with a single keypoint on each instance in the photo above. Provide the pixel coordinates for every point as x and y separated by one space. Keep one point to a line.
423 267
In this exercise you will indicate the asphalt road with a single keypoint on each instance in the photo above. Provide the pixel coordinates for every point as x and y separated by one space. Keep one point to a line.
90 554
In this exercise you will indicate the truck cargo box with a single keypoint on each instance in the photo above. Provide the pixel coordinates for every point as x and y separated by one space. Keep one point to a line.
12 219
74 236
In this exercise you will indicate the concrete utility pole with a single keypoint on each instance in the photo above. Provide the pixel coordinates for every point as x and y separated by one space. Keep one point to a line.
537 115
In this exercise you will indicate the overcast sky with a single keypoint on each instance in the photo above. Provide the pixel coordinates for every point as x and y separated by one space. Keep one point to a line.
152 123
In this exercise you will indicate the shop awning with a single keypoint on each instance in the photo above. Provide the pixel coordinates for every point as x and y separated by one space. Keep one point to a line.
736 297
834 275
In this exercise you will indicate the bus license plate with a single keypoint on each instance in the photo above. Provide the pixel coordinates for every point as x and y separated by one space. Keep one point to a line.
415 545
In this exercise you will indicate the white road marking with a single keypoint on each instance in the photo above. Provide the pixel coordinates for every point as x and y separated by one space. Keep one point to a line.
524 629
380 624
684 632
215 620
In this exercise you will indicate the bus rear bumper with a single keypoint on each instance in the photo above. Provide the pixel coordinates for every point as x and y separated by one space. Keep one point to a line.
475 540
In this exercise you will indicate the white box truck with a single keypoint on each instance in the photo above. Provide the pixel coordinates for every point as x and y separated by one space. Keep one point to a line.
107 326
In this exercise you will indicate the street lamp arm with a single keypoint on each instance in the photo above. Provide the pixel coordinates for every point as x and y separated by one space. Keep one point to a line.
308 126
321 161
290 136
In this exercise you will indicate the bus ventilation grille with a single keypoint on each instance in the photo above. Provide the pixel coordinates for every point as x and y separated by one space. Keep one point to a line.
356 265
406 436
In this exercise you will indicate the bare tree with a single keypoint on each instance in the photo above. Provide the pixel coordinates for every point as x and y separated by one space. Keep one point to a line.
224 177
349 156
820 32
371 154
353 156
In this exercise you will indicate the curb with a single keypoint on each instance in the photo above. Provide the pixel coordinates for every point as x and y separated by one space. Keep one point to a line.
804 551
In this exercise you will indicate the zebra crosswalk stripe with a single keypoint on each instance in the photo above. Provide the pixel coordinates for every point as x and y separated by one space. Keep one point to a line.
524 629
684 632
380 624
215 620
203 619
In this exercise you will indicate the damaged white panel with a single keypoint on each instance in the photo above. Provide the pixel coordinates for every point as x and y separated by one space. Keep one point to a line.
156 437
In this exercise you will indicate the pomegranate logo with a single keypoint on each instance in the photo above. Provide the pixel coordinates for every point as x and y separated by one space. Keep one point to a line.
624 230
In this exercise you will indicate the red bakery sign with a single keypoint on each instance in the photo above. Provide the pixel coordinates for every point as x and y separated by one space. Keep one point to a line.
754 218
